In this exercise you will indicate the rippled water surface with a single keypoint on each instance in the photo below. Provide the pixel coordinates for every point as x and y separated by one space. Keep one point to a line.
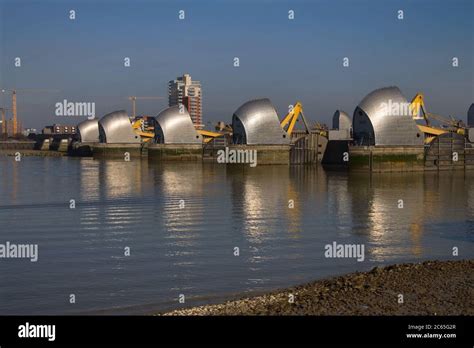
182 222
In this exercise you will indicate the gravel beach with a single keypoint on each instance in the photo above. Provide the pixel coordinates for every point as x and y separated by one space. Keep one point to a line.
428 288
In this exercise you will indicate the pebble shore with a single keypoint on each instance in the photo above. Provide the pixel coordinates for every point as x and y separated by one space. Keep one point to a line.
428 288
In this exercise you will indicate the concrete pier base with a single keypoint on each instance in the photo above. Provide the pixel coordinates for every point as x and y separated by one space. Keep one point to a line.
44 146
17 145
81 149
469 158
386 158
448 151
175 152
121 150
60 145
266 154
336 154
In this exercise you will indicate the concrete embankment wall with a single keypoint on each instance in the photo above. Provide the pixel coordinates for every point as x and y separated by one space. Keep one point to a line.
386 158
26 149
175 152
469 159
440 155
307 148
60 145
17 145
81 149
449 151
267 154
134 151
336 154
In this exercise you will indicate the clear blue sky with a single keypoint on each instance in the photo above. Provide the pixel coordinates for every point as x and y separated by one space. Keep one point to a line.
280 59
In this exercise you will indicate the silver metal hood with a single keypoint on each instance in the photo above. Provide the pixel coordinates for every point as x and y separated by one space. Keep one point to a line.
341 121
257 122
175 127
383 118
116 128
88 131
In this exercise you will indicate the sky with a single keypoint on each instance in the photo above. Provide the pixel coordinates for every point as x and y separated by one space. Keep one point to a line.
82 60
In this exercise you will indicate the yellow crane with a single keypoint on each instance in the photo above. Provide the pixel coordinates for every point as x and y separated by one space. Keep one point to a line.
133 99
417 107
145 133
208 136
14 107
287 124
289 121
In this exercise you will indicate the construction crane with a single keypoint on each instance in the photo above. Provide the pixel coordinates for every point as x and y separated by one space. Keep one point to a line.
417 107
14 107
134 103
289 121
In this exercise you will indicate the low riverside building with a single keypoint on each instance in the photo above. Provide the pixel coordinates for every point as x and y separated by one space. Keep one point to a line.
59 129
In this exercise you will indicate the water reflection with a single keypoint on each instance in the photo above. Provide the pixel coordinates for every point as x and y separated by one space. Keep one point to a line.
338 204
122 179
181 193
386 209
180 186
89 179
262 196
9 176
470 206
182 221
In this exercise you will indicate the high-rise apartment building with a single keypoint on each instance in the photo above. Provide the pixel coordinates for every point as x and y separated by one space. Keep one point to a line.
185 91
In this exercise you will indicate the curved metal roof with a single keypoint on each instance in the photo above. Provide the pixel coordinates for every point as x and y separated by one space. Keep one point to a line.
256 122
341 120
116 128
383 118
88 131
176 127
470 116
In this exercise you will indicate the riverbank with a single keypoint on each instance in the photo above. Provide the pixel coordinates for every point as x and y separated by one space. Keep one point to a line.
30 153
428 288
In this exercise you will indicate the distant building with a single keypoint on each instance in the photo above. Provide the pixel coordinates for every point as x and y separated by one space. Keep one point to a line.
59 129
29 131
187 92
9 127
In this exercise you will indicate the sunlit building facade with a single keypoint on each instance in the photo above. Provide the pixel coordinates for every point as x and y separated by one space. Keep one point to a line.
185 91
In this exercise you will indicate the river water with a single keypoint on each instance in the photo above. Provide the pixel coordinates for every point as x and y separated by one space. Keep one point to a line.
182 223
